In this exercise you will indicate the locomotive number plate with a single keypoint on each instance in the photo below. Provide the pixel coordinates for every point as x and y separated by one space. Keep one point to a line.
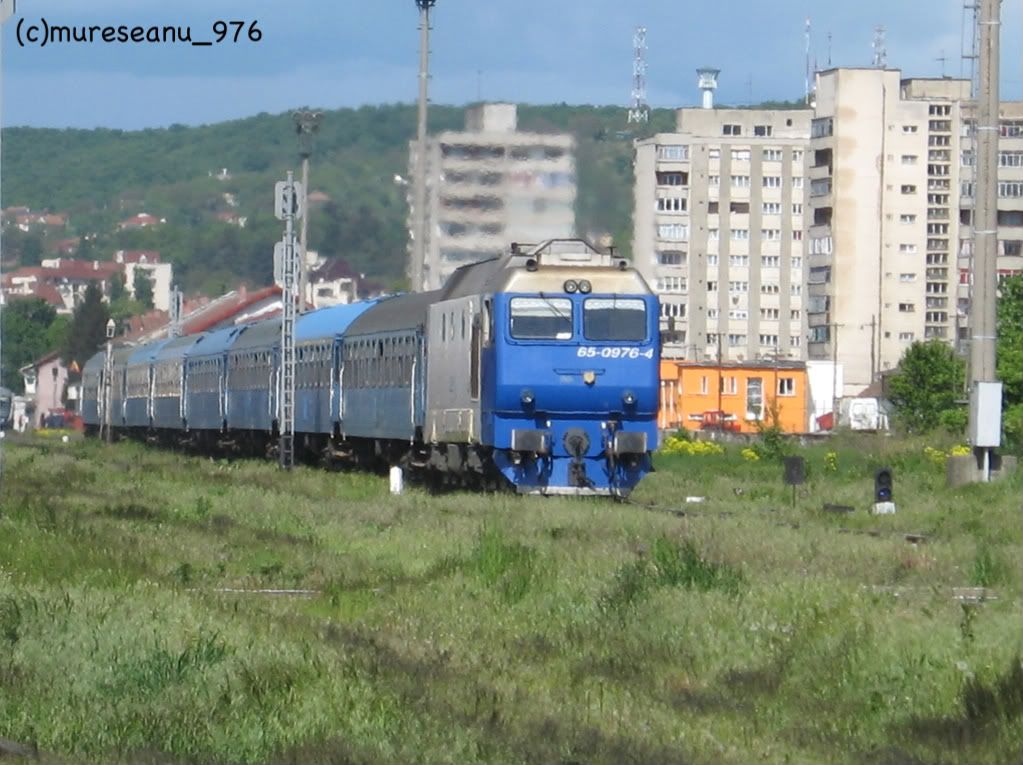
617 352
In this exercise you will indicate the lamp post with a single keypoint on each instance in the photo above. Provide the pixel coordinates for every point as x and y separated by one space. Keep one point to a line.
307 123
418 264
108 381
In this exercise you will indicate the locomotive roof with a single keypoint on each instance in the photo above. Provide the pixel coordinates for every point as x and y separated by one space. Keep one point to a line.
395 313
536 268
328 323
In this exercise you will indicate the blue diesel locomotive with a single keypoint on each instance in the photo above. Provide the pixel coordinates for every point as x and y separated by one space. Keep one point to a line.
537 369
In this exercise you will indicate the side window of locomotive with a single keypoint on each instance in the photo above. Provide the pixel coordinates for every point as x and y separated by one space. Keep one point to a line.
614 319
541 318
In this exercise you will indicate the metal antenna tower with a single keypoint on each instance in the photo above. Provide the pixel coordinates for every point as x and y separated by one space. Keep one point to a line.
288 203
969 43
639 111
418 264
880 51
808 73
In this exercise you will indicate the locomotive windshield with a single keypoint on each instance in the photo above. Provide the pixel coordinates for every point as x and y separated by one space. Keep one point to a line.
614 319
541 318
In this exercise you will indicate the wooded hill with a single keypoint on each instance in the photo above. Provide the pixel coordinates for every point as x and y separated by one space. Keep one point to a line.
101 177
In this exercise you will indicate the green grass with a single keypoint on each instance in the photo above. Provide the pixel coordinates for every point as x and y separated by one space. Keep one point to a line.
472 628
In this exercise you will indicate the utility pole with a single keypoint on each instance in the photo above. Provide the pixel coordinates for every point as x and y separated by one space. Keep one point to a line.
176 298
108 382
307 123
985 390
288 207
7 10
418 264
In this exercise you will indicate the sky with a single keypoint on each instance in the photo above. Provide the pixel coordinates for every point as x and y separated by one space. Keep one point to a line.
335 53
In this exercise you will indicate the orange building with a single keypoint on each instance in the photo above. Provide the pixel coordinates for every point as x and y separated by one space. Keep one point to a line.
734 396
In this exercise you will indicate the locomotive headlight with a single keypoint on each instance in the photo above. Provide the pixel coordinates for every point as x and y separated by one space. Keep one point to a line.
628 398
526 397
585 287
570 286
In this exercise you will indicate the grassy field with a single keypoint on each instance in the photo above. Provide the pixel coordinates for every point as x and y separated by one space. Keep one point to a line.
464 628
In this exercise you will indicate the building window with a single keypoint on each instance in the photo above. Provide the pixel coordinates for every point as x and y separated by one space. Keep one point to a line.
673 152
770 261
770 314
740 234
770 234
712 313
822 127
675 232
795 341
754 398
738 315
909 159
797 235
772 181
741 155
797 155
772 155
909 128
713 234
907 219
735 340
907 277
769 289
712 260
671 204
908 188
731 130
797 182
771 208
763 131
769 341
740 181
738 286
786 386
671 258
907 248
714 153
672 179
795 314
797 263
713 180
797 208
704 387
672 284
712 286
795 289
906 308
738 261
906 337
728 385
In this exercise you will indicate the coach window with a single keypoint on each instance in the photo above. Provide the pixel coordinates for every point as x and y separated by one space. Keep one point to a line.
614 319
541 318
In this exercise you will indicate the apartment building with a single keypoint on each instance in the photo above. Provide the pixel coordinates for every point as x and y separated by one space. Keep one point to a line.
491 185
719 232
891 198
1010 202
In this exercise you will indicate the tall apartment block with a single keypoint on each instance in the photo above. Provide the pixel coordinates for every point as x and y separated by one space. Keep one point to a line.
719 231
492 185
1010 201
890 237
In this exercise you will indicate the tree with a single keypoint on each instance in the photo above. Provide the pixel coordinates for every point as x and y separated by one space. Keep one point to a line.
88 330
926 386
117 290
1010 356
26 325
143 287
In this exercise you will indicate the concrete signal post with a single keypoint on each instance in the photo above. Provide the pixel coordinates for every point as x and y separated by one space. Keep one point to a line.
7 9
